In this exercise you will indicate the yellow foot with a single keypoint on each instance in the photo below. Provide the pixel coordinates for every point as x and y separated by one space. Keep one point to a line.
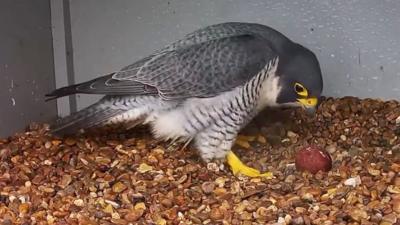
238 167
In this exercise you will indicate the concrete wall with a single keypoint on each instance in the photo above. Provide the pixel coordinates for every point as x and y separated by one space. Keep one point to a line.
357 42
26 64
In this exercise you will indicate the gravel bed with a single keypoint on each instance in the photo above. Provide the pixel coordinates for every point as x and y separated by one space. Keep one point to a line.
130 178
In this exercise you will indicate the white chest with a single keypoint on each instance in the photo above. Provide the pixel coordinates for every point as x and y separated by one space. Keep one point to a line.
269 92
199 112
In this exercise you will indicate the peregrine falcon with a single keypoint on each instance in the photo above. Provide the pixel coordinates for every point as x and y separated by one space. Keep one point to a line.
203 88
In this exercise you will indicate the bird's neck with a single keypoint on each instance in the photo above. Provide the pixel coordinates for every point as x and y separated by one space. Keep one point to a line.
264 87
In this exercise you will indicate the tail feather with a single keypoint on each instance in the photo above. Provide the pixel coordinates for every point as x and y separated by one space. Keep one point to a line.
125 111
92 116
106 85
61 92
85 87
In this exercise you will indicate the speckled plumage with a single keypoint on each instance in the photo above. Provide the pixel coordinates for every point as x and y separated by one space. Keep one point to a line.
202 64
204 87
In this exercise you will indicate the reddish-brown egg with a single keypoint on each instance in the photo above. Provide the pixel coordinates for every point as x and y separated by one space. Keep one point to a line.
313 159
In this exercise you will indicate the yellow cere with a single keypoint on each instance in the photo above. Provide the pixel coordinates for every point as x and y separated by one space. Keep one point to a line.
308 102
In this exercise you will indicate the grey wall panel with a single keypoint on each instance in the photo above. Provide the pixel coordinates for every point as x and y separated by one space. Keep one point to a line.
26 64
357 42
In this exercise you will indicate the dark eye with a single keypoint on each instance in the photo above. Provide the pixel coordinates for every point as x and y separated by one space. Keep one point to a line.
300 90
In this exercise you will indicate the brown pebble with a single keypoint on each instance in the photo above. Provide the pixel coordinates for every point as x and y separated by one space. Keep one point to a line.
79 202
246 216
70 141
396 205
118 187
99 214
220 192
358 214
396 181
166 202
208 187
134 215
171 214
290 178
119 221
298 220
390 218
23 208
216 214
65 181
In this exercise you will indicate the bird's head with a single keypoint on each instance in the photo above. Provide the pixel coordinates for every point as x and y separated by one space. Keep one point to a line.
300 78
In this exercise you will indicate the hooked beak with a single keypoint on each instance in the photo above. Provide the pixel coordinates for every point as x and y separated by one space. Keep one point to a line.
309 104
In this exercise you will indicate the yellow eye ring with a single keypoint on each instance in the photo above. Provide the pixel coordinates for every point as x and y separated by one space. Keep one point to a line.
300 90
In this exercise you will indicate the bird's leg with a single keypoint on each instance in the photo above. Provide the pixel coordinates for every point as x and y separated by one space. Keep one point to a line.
219 149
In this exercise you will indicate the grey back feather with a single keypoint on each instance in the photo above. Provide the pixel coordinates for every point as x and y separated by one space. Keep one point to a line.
205 63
